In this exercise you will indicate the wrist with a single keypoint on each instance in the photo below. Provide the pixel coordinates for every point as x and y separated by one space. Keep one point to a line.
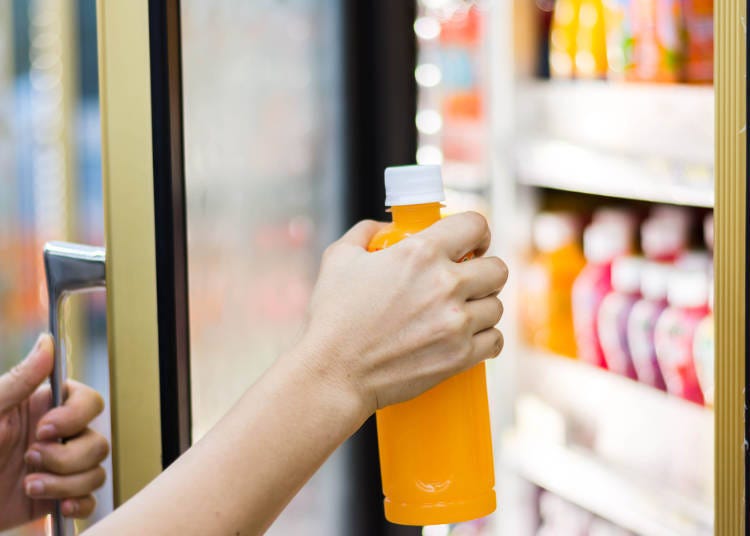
319 374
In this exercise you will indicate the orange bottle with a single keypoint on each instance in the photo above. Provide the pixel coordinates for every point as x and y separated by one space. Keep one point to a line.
547 311
436 449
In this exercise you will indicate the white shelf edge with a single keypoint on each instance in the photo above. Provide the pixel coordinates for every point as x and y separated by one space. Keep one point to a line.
593 486
564 166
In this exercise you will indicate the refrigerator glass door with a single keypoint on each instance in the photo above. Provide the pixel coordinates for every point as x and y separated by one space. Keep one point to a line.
262 164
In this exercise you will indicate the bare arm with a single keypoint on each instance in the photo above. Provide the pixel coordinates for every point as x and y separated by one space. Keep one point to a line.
383 328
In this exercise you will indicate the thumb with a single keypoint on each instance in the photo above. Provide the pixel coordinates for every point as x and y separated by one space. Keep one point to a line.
23 379
361 234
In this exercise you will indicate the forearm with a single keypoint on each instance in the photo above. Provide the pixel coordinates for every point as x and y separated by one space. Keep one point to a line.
239 477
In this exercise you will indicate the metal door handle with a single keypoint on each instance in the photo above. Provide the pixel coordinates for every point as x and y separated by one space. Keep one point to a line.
70 268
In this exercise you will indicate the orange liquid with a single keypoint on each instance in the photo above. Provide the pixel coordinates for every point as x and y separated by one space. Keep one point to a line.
436 449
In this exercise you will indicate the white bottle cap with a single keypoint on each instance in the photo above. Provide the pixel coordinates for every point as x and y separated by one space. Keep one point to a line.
670 212
626 274
413 185
617 216
552 230
663 237
695 260
603 242
688 287
654 280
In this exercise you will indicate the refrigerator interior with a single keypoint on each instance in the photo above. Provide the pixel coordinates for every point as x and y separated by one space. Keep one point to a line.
578 449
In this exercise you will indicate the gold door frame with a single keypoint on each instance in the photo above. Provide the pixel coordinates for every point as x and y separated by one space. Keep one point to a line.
731 179
127 171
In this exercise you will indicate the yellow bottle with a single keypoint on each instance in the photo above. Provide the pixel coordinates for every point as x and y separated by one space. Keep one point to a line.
547 312
591 40
562 42
436 449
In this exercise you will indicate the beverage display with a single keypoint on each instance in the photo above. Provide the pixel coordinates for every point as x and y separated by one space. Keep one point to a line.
663 41
547 312
615 310
436 449
603 242
687 295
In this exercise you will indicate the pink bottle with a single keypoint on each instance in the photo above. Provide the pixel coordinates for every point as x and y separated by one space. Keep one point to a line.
615 311
687 295
642 323
602 243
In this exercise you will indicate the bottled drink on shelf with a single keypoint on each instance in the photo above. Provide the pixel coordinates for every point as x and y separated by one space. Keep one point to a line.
619 38
687 295
603 242
642 323
658 42
616 307
548 281
436 449
699 48
591 41
562 42
704 353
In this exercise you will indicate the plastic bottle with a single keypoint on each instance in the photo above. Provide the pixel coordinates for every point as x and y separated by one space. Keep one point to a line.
436 449
591 41
548 283
704 354
699 48
704 343
687 295
602 243
562 41
642 323
619 38
612 320
658 40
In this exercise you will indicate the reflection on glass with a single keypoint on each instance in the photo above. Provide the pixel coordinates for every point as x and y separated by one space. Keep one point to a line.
50 182
260 114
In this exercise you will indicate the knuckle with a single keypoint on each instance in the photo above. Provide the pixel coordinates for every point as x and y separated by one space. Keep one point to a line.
478 221
499 311
98 478
419 250
448 282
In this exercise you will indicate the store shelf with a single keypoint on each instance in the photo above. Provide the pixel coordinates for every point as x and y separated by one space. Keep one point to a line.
628 452
649 142
646 509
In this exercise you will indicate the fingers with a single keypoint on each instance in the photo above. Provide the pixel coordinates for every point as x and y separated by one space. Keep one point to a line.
75 456
486 345
49 486
482 276
484 313
23 379
460 235
361 234
80 507
74 416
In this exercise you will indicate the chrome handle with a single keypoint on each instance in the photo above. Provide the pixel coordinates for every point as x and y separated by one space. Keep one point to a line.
70 268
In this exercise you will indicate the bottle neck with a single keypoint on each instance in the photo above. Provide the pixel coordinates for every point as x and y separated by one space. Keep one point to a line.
422 215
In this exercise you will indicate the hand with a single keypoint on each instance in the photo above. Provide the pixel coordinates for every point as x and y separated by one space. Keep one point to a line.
391 324
34 466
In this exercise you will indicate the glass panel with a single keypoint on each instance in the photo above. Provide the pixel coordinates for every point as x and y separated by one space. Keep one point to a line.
262 164
50 183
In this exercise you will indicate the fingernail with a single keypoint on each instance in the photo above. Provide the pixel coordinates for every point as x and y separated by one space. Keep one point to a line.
48 431
70 508
35 487
33 457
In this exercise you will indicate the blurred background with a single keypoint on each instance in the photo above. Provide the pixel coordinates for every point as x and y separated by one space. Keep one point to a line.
583 129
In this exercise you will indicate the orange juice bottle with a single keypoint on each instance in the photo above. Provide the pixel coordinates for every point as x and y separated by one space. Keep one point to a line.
436 449
547 310
591 40
562 39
